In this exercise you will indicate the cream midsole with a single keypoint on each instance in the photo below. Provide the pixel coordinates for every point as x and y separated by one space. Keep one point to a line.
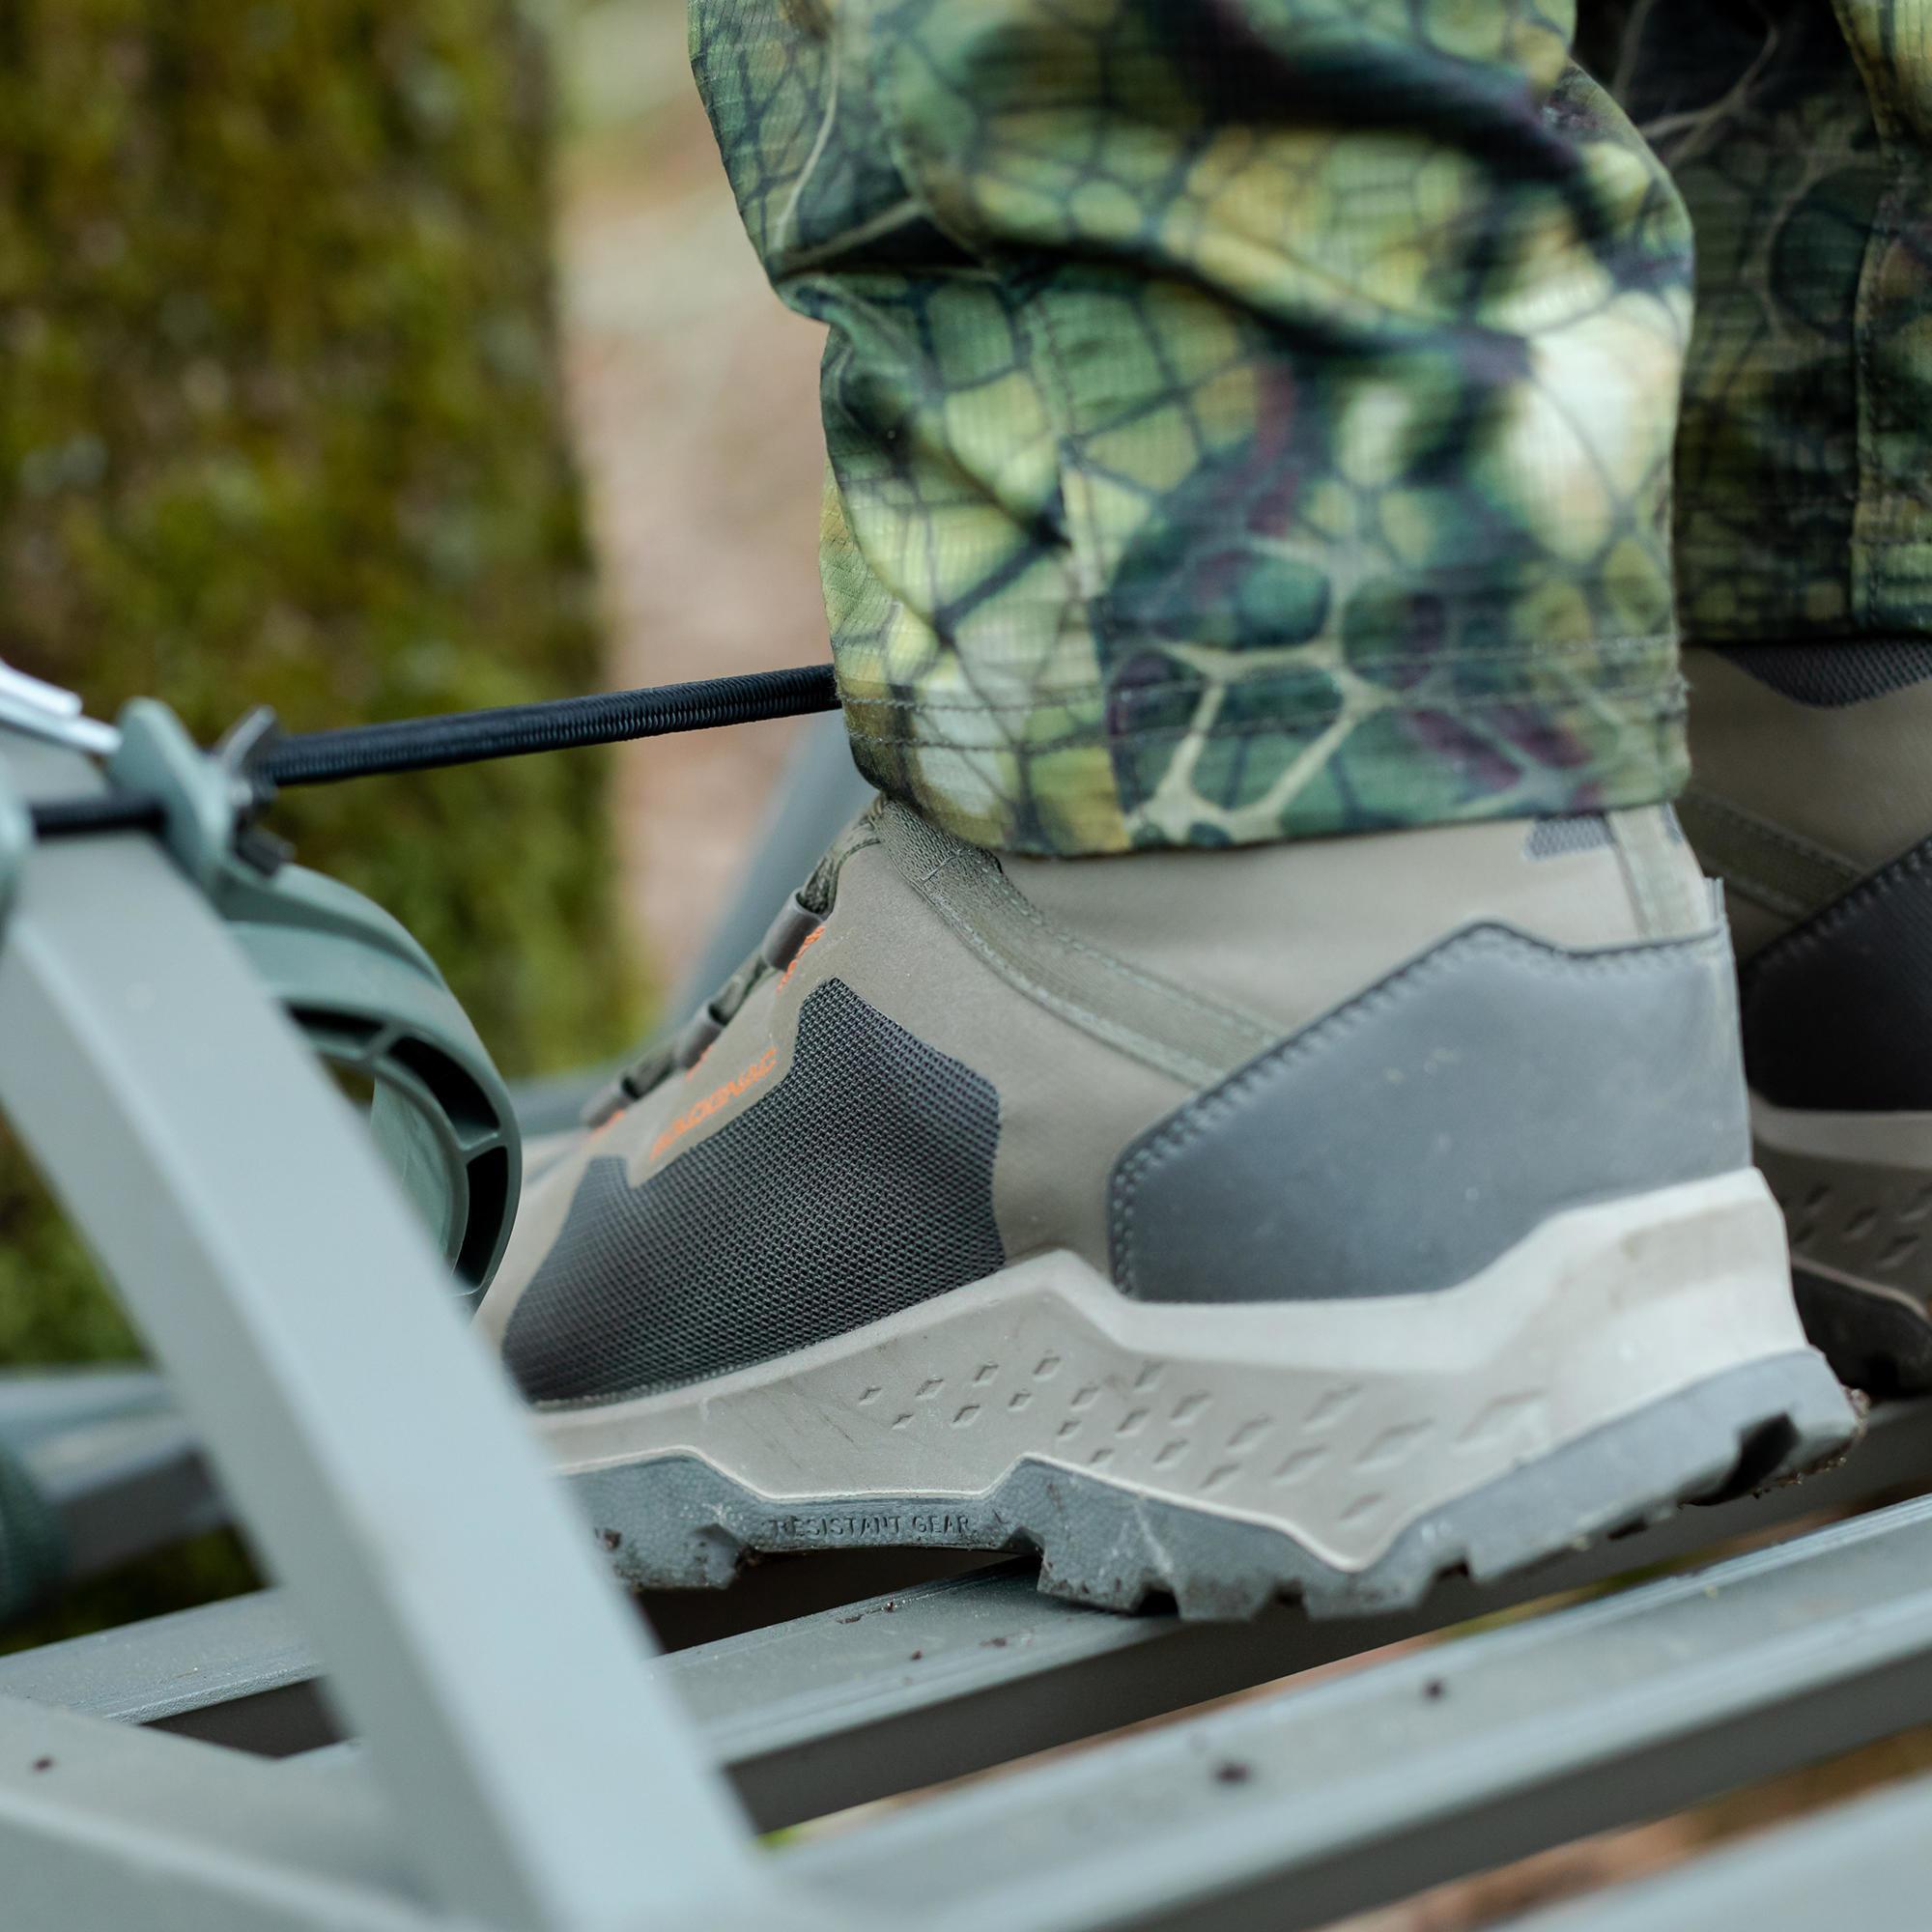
1341 1421
1876 1140
1857 1190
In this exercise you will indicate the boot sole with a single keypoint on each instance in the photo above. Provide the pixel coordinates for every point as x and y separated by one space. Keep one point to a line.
1623 1359
1856 1195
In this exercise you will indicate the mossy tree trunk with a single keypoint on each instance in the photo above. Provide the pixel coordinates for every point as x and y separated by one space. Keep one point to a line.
279 422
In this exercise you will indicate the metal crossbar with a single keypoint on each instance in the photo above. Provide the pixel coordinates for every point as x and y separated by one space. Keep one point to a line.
1348 1794
114 1464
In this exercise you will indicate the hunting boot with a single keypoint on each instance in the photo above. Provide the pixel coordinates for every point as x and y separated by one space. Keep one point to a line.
1303 1218
1811 799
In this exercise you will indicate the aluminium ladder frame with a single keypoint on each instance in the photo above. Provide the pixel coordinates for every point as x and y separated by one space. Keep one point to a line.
517 1759
537 1772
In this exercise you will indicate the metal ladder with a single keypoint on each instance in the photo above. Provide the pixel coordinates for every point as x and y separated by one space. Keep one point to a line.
446 1716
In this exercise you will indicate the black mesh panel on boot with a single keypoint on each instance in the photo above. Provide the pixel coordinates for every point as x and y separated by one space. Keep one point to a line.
861 1184
1845 672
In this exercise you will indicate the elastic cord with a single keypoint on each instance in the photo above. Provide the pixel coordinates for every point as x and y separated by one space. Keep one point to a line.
467 737
512 730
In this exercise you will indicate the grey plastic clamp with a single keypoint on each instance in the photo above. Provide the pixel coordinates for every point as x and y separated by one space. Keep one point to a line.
367 997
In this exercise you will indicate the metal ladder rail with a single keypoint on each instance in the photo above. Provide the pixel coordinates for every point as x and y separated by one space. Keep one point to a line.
1864 1861
1296 1809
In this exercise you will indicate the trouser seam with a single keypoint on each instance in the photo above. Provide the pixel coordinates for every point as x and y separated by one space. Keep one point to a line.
1601 653
1670 703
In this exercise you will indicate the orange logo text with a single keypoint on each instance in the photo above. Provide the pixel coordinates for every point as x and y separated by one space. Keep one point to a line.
806 945
719 1097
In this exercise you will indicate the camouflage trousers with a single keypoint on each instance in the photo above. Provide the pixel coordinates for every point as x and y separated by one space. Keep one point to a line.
1257 418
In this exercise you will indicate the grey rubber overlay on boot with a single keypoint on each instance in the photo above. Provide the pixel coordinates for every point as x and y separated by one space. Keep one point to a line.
1837 1014
1411 1136
679 1521
860 1184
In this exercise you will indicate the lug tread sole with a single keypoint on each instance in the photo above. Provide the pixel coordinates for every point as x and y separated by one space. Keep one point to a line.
678 1522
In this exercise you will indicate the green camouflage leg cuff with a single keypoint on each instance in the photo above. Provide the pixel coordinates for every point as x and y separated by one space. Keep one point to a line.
1801 136
1245 421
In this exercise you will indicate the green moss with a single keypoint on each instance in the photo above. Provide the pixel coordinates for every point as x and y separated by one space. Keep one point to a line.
279 422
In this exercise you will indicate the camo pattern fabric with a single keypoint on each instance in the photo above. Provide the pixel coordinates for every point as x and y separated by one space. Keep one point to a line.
1246 419
1797 133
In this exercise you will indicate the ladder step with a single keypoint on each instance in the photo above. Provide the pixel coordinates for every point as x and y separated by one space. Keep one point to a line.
1301 1807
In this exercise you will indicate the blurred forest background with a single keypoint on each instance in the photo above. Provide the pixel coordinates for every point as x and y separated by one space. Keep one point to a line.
334 342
